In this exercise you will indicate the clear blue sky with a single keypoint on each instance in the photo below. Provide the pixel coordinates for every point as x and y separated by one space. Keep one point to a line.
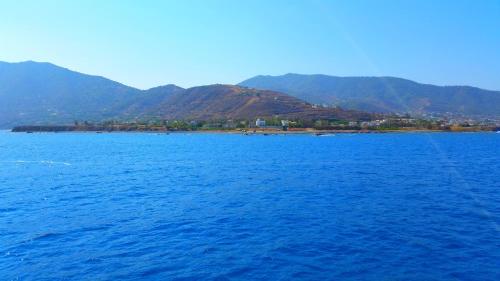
150 43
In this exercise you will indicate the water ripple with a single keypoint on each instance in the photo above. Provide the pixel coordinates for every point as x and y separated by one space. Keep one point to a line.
228 207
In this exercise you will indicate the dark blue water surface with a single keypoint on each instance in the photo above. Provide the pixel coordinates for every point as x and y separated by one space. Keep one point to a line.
135 206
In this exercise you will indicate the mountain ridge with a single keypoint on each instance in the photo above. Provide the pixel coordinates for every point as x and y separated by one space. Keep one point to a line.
384 94
371 76
31 91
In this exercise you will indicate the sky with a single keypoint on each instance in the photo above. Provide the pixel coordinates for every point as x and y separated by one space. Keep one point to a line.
150 43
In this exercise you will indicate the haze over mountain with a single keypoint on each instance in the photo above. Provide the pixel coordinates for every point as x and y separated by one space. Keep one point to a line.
43 93
382 94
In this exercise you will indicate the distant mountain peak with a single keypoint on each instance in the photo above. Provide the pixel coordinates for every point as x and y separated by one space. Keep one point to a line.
32 63
169 87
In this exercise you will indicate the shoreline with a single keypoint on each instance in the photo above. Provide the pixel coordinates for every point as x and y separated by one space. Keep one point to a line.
256 132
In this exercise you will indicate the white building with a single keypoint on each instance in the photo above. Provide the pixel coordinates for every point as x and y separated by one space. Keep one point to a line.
260 123
285 124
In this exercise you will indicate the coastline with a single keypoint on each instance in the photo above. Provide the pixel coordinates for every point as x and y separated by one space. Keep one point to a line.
305 131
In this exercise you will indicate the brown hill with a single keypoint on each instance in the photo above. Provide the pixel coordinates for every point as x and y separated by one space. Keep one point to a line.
235 102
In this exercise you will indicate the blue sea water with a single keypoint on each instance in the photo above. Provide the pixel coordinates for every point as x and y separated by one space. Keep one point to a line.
132 206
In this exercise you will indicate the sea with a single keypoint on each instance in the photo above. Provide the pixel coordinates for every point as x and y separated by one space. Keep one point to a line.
201 206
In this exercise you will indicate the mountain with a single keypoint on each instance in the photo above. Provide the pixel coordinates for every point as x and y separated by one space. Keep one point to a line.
149 102
43 93
236 102
32 92
382 94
